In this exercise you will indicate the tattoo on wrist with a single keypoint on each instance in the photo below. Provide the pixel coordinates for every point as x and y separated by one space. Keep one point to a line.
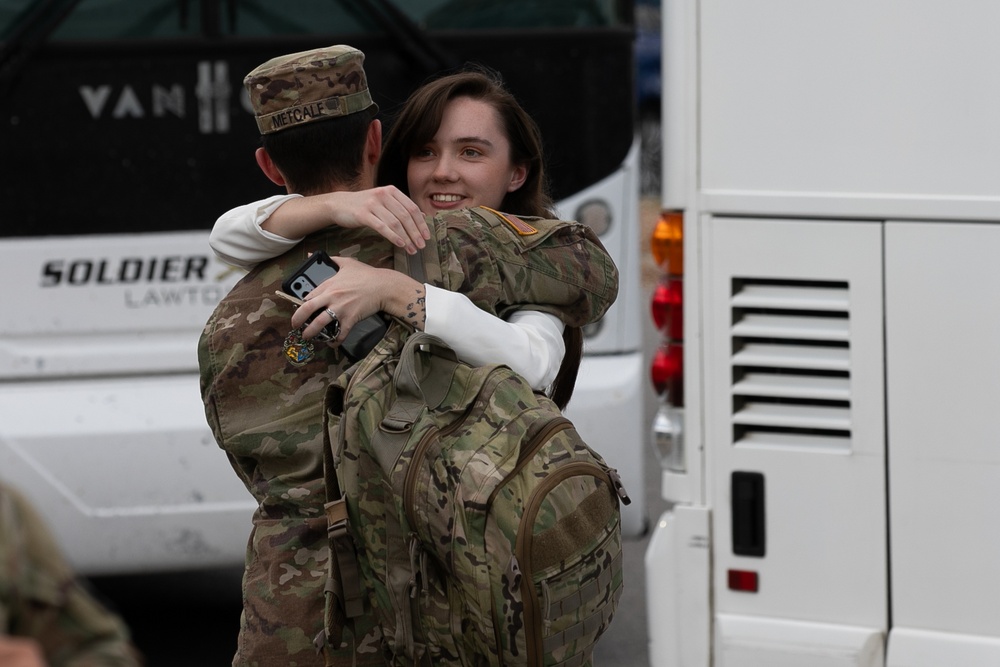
416 310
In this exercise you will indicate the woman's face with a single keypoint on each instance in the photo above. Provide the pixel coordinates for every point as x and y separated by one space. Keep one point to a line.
467 162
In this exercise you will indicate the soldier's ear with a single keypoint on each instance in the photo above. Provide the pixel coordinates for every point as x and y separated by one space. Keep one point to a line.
267 166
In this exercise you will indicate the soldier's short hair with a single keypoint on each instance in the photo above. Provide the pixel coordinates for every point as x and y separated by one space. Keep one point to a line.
309 86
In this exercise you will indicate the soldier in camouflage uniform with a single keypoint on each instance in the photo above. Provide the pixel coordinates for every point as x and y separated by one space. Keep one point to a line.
46 616
264 384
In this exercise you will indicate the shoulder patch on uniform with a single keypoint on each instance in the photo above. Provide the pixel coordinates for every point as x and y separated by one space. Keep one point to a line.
518 225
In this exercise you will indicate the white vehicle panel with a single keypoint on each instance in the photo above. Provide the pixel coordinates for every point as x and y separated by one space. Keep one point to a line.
744 641
822 492
126 472
607 406
943 381
678 575
607 410
107 305
855 107
850 149
619 330
101 420
927 648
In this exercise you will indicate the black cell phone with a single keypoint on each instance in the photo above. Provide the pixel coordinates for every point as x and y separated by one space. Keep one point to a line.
364 335
315 270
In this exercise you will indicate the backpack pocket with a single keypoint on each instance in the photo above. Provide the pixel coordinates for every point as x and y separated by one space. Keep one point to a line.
569 549
576 605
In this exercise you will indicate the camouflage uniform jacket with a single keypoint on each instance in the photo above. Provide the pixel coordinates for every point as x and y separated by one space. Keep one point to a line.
266 409
41 598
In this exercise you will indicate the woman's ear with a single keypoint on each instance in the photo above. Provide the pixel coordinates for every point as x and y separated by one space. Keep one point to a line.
517 177
268 167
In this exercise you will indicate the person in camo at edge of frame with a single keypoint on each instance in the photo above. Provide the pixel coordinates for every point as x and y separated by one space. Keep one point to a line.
47 616
264 397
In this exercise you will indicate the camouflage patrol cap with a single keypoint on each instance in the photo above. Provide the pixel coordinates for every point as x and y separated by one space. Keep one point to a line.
308 86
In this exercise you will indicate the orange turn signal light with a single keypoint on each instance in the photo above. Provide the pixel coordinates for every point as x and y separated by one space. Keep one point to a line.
667 243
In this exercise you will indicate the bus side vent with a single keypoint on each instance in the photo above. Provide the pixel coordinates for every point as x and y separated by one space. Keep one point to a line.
791 364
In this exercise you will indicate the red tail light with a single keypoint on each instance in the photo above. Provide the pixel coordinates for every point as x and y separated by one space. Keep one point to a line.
667 372
667 308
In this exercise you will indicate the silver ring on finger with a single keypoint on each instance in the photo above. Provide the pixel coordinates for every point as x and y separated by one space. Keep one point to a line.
332 330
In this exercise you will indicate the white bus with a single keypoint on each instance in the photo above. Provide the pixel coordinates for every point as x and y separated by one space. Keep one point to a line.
125 132
832 219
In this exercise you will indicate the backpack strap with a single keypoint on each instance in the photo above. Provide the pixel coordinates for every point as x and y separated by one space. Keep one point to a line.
413 265
344 577
425 265
346 586
421 383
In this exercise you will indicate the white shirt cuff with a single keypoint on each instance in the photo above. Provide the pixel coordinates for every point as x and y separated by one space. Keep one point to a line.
530 342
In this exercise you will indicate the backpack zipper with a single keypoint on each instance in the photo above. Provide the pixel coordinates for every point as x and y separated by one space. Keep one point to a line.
555 425
413 467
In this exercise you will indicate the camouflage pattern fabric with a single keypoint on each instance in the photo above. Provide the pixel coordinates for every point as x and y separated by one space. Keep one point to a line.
488 532
264 391
308 86
264 403
504 263
41 598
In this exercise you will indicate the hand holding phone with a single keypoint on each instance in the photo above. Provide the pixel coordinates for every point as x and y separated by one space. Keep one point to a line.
364 335
318 268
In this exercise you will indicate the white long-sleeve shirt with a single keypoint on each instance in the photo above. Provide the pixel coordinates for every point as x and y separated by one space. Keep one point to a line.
238 239
530 342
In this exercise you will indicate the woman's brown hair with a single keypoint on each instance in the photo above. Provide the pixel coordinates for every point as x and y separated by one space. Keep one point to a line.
417 123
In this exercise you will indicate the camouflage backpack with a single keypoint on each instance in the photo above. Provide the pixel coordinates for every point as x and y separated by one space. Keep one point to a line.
487 531
482 529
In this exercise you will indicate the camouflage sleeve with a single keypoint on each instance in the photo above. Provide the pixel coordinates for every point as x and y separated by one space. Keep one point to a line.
504 263
44 600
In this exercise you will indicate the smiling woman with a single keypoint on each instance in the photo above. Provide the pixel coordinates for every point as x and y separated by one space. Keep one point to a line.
469 154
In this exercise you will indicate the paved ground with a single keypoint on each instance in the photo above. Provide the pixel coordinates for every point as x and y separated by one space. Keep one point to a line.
626 642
